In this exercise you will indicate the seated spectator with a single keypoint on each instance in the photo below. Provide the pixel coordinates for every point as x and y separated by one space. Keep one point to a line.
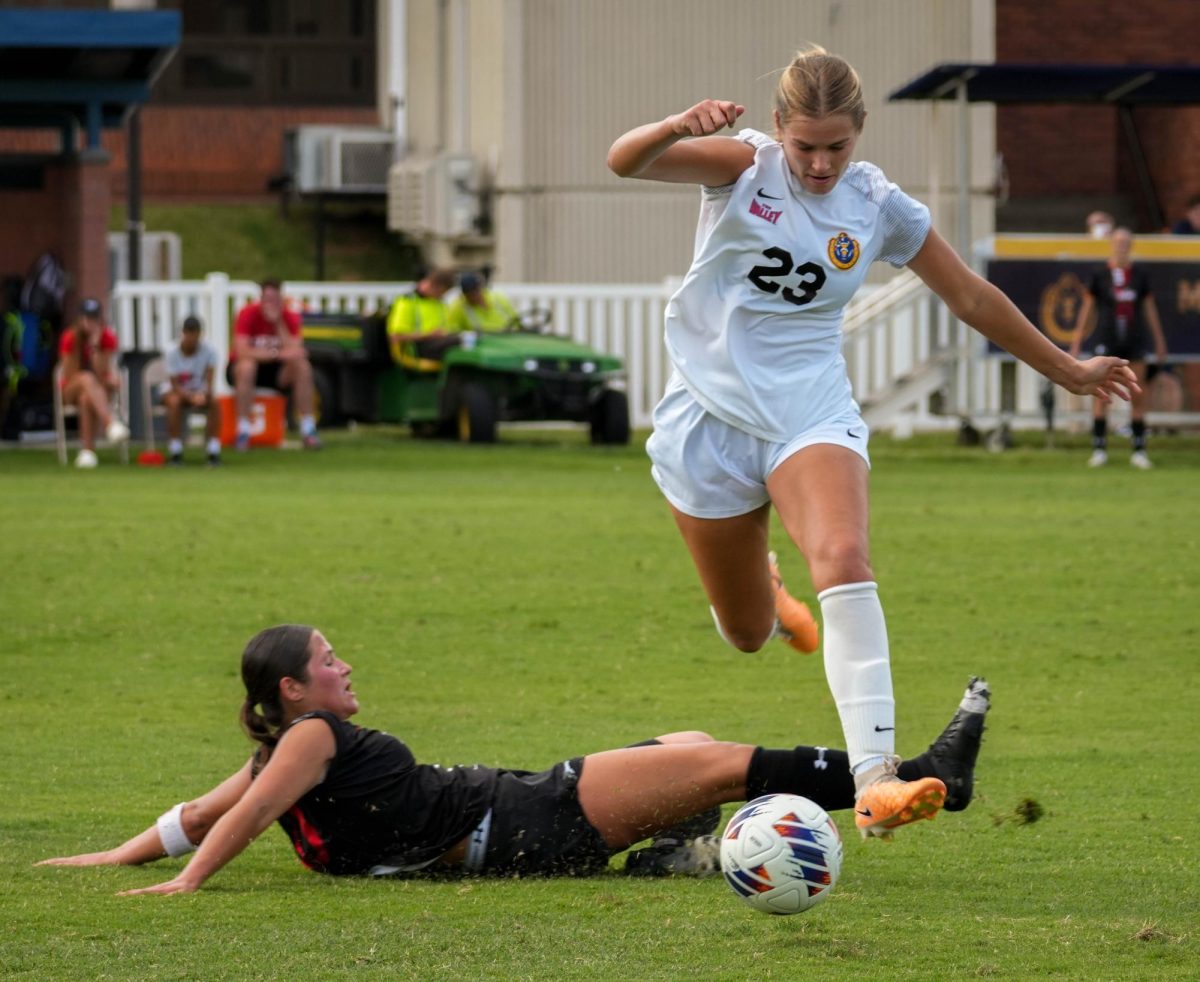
89 379
268 353
418 325
1189 224
480 309
191 365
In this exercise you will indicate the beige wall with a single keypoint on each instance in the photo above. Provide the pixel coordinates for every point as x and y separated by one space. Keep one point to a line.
552 82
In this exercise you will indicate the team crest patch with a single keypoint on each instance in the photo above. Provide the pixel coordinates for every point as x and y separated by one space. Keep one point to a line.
843 250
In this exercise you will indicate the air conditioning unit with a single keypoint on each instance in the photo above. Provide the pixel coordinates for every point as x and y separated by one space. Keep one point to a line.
434 195
338 159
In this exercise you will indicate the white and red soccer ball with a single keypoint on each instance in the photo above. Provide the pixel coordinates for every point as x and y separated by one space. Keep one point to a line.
781 853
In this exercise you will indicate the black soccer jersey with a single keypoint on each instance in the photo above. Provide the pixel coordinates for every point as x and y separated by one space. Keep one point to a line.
1119 292
377 805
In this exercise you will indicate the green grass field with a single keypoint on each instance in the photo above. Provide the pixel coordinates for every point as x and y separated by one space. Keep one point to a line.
521 603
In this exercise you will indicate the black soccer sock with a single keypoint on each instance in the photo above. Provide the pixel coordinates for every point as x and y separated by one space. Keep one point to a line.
1138 426
1099 434
917 767
818 773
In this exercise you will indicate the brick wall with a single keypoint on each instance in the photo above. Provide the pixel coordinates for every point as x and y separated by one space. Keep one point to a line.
68 216
201 151
1052 151
36 215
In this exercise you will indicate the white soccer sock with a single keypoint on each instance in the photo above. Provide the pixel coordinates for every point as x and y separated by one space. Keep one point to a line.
308 425
174 447
243 425
213 447
859 673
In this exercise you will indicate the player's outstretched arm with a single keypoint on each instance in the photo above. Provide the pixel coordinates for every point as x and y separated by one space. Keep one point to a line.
976 302
663 151
296 766
195 818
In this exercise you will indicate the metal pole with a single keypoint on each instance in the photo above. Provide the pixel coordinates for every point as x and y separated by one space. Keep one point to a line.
133 194
461 62
443 75
964 173
1145 180
320 218
133 214
963 235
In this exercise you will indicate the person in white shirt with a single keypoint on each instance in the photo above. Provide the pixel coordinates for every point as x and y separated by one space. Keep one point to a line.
759 409
191 367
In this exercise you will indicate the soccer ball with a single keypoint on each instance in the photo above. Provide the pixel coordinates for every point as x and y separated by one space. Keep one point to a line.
781 853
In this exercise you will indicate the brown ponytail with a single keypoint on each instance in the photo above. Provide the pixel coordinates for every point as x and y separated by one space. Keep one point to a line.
272 655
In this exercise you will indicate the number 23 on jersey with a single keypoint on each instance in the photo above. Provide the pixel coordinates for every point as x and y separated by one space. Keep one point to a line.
797 284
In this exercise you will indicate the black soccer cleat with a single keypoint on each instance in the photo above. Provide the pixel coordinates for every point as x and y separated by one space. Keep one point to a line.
700 856
952 755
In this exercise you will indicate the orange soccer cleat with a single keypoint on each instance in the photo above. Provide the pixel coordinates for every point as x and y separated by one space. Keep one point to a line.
889 803
797 625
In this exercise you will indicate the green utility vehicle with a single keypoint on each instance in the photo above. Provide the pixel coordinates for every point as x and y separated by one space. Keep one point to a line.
493 377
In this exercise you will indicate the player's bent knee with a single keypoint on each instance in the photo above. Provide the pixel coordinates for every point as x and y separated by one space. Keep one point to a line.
747 643
686 736
840 561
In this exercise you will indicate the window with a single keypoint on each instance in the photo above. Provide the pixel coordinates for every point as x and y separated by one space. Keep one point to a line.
272 52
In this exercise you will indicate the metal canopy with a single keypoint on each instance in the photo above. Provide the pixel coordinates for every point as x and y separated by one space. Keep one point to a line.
1124 87
1009 83
88 68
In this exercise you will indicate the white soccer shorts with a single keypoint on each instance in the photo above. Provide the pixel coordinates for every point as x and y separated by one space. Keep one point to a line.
707 468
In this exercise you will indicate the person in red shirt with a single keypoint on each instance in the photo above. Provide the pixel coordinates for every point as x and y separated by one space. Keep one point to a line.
268 353
87 351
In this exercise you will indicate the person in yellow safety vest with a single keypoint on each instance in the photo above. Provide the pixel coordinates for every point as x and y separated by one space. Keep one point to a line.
417 325
478 308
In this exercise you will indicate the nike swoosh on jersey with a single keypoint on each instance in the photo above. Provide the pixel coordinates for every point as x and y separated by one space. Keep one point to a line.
763 194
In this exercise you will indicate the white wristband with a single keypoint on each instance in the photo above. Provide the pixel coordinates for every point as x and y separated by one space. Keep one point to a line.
170 831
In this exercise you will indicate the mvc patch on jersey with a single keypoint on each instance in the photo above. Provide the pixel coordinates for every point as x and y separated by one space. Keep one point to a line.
843 250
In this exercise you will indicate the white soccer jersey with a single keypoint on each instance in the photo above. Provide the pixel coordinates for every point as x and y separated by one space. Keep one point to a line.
754 332
190 369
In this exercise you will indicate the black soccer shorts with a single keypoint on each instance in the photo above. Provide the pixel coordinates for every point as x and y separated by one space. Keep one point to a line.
538 827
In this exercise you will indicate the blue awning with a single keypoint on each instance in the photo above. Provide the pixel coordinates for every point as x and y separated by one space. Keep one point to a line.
83 67
1009 83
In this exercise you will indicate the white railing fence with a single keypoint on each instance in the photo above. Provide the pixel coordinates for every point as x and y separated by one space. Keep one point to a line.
623 320
893 332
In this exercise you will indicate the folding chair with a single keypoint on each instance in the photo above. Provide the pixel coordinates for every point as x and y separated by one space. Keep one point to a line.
63 409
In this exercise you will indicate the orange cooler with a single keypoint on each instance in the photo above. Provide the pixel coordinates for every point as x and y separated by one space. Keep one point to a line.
268 421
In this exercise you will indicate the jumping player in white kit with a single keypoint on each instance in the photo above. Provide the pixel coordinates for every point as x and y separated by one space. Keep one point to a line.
759 409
